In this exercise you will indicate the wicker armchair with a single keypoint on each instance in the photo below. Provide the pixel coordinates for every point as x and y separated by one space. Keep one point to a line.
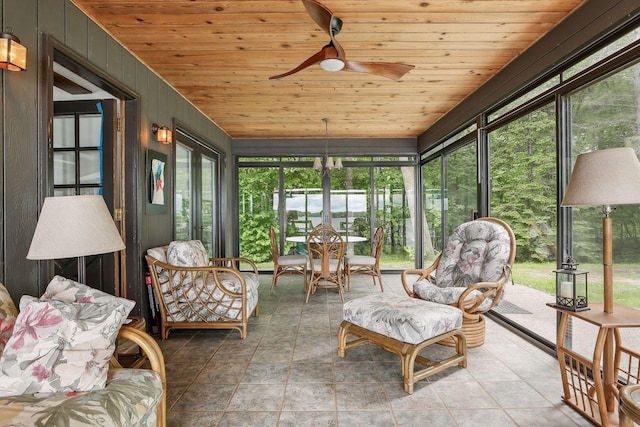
470 273
215 296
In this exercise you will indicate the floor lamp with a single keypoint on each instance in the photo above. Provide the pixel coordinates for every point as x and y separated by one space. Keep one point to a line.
74 226
605 177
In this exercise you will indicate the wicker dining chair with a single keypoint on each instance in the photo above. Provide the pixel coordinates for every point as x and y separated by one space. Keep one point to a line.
326 251
285 264
366 264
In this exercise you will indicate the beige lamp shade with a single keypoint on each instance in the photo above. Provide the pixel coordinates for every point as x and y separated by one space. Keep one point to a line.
74 226
604 177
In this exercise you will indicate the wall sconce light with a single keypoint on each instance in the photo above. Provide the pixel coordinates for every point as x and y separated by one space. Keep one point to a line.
13 56
162 133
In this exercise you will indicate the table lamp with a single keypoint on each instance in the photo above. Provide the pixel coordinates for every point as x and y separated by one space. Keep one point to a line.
74 226
605 177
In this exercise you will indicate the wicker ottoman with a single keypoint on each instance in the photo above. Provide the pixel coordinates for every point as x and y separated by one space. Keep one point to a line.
404 326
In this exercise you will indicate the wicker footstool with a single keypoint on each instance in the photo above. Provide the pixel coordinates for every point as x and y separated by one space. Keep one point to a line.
404 326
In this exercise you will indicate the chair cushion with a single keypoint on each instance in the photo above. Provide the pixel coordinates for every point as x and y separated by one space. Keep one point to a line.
60 346
360 259
159 253
430 292
477 251
402 318
187 254
130 398
292 259
316 265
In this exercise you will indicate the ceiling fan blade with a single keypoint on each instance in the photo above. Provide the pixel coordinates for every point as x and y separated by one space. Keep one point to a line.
323 17
390 70
314 59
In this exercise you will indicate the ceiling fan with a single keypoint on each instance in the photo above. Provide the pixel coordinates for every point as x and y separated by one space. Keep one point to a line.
332 57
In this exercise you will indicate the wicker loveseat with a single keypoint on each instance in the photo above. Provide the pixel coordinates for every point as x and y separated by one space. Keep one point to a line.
197 292
60 346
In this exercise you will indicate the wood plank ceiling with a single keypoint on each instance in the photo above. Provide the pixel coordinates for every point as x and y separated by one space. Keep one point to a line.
220 53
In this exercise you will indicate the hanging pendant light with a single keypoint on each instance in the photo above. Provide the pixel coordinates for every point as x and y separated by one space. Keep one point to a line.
329 163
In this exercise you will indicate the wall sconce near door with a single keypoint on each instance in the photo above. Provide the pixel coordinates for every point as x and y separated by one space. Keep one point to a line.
162 133
329 164
13 56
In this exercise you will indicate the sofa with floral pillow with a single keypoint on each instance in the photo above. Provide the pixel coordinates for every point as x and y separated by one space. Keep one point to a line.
194 291
57 365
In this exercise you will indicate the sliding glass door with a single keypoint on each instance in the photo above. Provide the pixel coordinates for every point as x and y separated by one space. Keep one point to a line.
197 193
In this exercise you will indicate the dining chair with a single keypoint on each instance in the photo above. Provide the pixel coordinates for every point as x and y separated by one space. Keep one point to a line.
326 251
285 264
366 264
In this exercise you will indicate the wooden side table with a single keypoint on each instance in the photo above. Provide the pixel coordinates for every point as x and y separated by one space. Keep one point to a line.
595 398
127 353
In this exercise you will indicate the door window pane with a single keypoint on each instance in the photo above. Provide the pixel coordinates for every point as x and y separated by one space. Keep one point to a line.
209 202
64 132
64 168
183 197
90 130
90 167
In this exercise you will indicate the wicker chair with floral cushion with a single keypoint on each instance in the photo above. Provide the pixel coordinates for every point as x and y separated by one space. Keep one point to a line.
58 367
470 273
197 292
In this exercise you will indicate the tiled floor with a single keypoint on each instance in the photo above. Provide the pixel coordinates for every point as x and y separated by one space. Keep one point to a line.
287 373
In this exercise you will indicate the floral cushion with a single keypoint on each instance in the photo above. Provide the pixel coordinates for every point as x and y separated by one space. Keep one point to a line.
68 290
430 292
477 251
120 403
187 254
61 346
8 314
402 318
159 253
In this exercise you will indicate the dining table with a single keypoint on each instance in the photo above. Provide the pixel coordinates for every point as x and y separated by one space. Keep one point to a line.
349 240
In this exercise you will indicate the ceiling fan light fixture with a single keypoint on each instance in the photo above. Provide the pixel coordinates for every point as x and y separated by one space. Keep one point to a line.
332 64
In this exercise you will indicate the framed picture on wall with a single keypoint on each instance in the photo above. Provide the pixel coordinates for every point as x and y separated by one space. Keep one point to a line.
156 174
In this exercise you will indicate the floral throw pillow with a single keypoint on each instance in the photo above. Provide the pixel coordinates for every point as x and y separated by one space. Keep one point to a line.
187 254
8 314
63 289
60 346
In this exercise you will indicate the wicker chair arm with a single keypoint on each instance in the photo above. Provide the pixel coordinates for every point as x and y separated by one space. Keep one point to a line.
233 262
150 349
422 273
492 290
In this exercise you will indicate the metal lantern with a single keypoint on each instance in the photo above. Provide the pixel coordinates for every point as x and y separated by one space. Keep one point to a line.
571 286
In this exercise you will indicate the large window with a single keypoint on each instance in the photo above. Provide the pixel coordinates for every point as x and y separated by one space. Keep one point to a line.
604 115
292 196
591 104
523 194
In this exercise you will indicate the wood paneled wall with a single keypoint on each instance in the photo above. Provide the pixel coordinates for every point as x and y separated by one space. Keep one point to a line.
23 137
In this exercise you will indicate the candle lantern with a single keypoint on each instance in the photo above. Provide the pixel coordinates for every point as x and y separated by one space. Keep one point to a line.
571 286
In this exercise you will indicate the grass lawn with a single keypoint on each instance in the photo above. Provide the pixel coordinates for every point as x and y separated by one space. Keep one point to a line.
626 280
